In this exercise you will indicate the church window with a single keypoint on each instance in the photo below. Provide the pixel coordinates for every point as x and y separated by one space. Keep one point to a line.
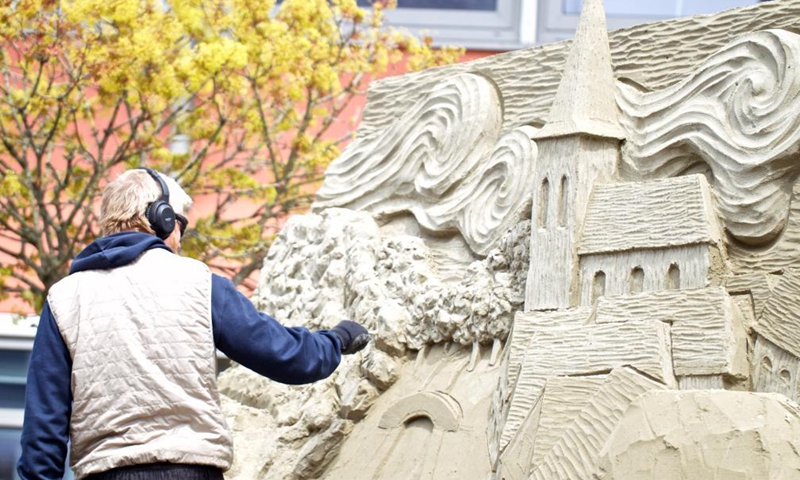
766 364
636 283
544 203
786 377
598 285
563 204
674 277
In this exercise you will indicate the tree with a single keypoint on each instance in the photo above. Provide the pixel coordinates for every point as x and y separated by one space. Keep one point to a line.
236 99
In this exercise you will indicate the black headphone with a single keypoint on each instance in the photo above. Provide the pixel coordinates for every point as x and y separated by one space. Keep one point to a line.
160 213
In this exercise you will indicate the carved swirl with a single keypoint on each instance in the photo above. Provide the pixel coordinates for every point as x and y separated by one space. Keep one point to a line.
488 203
739 114
433 163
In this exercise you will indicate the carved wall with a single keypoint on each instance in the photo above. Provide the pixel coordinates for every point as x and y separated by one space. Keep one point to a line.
577 261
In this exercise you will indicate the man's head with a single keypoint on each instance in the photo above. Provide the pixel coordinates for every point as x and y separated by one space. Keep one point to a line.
126 201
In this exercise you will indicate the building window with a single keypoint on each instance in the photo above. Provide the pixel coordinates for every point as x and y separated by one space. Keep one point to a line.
474 24
674 277
658 8
563 202
13 374
766 364
544 203
469 5
786 377
557 19
598 285
636 282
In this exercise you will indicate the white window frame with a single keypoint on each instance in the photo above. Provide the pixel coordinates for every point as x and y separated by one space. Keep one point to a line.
506 28
554 25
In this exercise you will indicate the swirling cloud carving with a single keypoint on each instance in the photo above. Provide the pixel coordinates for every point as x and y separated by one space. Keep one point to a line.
739 113
445 162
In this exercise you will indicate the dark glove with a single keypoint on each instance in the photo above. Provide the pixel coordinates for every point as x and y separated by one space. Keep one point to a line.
354 337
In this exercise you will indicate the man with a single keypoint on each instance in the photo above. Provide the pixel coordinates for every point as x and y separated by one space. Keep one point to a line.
123 364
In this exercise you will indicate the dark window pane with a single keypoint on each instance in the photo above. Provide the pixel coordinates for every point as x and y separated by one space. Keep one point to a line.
9 453
626 8
14 363
658 8
12 396
713 6
483 5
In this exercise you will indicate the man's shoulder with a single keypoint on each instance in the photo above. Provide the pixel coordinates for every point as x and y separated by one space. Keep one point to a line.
168 260
64 288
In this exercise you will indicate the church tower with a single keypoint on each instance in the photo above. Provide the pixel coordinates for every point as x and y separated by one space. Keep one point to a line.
578 147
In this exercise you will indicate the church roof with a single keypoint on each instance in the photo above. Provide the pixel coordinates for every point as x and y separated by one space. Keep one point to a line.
585 100
780 322
662 213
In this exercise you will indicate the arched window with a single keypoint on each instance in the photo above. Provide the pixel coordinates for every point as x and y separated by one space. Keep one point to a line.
674 277
786 377
544 203
636 282
766 364
598 285
563 202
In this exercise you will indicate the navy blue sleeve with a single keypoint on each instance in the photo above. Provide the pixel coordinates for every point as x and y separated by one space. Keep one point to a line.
257 341
48 404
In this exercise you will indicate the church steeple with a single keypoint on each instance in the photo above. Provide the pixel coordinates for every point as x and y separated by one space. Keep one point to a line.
585 100
578 148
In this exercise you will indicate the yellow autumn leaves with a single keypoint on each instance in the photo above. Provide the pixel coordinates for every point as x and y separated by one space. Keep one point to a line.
259 93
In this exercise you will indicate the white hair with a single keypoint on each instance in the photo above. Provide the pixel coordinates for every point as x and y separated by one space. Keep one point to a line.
127 197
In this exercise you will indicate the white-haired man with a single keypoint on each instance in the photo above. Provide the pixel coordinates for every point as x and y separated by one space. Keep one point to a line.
123 364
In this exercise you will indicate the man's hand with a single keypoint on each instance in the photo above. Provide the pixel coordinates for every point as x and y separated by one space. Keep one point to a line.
354 337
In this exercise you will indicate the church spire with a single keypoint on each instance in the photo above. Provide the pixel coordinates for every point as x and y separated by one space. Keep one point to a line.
585 101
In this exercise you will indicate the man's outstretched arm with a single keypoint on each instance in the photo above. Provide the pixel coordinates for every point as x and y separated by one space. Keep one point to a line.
292 355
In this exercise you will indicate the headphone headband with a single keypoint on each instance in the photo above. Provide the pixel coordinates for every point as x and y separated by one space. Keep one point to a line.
160 181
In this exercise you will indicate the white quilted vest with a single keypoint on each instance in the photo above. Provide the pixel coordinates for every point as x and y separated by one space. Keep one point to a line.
143 365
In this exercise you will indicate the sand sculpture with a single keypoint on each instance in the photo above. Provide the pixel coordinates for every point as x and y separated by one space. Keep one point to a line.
579 261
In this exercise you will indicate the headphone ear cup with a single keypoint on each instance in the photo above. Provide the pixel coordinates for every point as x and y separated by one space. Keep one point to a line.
161 217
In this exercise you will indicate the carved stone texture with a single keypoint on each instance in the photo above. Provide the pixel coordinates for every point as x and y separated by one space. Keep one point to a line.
777 256
657 228
729 117
780 322
701 382
575 453
702 435
578 148
584 102
335 265
291 432
568 168
443 410
429 425
526 324
564 398
648 215
627 287
444 162
775 370
757 285
708 336
588 349
652 56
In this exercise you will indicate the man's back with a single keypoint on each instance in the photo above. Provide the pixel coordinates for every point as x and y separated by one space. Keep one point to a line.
143 372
